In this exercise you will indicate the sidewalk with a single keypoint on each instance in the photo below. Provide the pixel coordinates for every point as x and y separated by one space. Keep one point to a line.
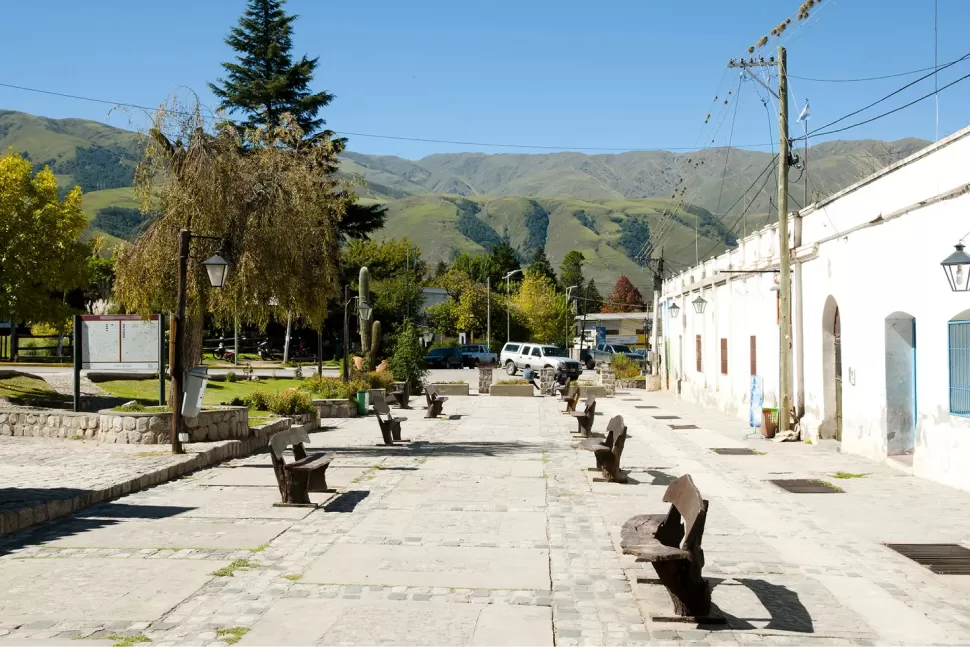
489 529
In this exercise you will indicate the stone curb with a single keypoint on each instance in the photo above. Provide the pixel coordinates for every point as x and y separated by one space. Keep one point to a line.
16 520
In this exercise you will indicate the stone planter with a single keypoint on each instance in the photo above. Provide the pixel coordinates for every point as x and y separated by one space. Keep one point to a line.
153 427
338 408
484 378
595 391
512 390
450 389
631 384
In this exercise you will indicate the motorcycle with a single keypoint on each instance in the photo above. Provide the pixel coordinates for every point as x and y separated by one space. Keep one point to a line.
221 352
264 351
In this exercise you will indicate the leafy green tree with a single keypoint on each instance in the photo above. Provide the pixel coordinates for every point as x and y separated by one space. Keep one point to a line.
571 270
101 277
625 297
265 81
41 255
407 362
440 269
540 265
542 309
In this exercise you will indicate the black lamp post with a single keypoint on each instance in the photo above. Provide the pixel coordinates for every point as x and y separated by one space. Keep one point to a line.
957 268
217 268
674 310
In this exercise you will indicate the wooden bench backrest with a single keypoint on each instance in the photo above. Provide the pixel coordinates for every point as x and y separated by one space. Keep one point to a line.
573 390
590 410
380 406
430 392
296 435
614 430
687 504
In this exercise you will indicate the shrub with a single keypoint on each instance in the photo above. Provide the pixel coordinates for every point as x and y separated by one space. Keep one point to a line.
407 362
298 371
230 377
328 388
379 380
513 382
290 402
624 367
258 400
448 342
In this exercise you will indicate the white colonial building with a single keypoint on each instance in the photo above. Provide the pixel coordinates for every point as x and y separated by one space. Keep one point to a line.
880 342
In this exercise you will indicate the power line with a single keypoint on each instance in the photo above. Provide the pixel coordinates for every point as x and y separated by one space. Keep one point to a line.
392 137
894 110
816 133
864 79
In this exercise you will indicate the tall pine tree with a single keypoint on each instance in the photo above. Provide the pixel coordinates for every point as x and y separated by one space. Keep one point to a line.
541 266
265 81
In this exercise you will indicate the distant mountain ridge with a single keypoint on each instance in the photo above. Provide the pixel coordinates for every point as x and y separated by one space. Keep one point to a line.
611 207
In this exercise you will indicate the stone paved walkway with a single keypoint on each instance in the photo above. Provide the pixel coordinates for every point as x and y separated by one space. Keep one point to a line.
488 528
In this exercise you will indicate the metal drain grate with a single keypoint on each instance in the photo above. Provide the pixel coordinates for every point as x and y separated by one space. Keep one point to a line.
645 406
806 486
943 559
734 451
666 417
684 427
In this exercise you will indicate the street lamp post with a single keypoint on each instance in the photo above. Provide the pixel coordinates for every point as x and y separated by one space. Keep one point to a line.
488 316
216 267
364 313
569 291
508 297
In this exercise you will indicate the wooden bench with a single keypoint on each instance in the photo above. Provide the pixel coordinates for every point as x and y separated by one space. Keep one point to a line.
390 426
585 418
403 395
572 401
435 402
609 450
674 548
305 474
566 390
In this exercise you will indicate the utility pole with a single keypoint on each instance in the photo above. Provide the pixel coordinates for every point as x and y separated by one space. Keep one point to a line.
488 333
658 280
784 262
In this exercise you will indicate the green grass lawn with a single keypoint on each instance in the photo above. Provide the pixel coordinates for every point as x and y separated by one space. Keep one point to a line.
29 391
146 391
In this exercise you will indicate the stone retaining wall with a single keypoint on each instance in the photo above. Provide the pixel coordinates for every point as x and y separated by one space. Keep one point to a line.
47 423
631 384
335 408
149 428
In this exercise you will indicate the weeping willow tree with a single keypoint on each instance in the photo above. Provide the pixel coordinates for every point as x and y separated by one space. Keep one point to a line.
270 199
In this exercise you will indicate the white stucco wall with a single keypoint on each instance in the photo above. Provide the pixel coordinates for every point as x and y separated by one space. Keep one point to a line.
872 273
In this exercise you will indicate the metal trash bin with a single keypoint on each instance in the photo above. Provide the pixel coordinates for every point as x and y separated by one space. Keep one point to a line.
362 403
196 380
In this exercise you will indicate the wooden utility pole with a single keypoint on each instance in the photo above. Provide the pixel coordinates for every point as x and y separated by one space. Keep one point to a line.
784 289
658 283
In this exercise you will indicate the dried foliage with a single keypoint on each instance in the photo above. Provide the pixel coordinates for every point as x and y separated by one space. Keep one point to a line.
271 198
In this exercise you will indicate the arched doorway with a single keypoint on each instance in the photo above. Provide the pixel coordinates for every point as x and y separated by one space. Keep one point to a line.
831 427
900 384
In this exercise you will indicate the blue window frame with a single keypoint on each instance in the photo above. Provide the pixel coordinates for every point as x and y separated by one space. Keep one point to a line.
959 343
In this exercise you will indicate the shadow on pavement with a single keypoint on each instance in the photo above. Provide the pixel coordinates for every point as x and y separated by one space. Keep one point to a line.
101 516
786 611
347 501
433 448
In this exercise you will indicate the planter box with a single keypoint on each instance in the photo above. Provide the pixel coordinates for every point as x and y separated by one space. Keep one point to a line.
451 389
512 390
595 391
338 408
632 384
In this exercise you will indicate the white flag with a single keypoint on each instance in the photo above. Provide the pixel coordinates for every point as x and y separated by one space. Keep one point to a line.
805 114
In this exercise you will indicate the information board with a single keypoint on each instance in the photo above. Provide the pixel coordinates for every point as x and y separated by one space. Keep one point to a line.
120 342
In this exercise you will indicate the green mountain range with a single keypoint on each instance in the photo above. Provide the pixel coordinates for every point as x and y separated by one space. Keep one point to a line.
610 207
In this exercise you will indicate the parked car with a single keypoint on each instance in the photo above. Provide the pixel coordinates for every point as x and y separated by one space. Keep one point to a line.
603 353
516 356
443 358
475 354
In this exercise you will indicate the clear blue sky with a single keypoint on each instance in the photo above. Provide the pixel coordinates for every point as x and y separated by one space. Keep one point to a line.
618 74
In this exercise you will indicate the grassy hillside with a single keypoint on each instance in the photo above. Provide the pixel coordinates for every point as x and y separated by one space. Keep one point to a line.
446 225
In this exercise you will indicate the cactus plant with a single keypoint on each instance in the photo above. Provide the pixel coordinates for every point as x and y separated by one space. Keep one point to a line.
375 345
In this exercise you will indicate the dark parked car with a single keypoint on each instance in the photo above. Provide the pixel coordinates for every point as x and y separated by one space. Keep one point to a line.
443 358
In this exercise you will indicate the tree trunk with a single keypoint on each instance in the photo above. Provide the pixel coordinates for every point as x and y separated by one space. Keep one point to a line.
286 342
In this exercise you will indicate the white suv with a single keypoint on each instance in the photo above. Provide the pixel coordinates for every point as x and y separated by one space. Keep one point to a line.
518 355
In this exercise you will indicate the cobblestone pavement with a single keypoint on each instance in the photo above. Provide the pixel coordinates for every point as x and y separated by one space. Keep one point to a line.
489 528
